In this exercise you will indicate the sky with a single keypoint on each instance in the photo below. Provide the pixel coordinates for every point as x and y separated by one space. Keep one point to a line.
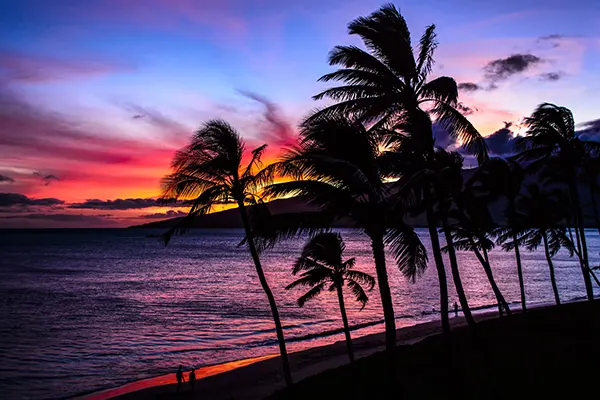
96 95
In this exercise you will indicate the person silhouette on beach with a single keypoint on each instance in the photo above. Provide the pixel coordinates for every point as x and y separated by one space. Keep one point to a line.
455 309
192 378
179 377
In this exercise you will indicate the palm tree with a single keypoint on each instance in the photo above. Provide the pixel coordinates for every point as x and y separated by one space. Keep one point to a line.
321 265
338 167
543 212
209 171
551 135
387 85
503 178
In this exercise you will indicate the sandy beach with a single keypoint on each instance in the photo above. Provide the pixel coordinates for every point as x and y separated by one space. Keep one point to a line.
258 377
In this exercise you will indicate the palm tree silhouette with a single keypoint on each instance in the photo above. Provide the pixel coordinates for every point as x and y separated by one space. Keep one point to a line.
543 212
551 135
209 171
321 265
503 178
387 85
338 166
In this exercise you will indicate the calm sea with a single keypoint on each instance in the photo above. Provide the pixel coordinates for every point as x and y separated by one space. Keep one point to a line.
84 310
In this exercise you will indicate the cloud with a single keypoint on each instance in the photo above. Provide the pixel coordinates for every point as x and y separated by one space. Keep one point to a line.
503 68
168 214
501 142
466 110
550 76
117 204
590 130
276 131
47 220
468 87
17 199
21 67
5 178
554 39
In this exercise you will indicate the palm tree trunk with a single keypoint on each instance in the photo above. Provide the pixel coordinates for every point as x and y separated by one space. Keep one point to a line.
346 326
484 260
462 298
287 374
551 265
595 204
441 270
580 227
520 273
384 291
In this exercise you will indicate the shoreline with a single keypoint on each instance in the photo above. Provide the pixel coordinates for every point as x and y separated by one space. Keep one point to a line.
258 377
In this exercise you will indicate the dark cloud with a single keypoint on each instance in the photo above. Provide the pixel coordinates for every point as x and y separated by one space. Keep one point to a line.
503 68
168 214
117 204
553 36
49 178
469 87
5 178
553 39
550 76
501 142
590 130
17 199
466 110
278 131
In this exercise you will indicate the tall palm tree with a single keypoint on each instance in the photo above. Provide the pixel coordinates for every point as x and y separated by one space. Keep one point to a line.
551 135
209 171
338 167
543 213
321 265
503 178
387 85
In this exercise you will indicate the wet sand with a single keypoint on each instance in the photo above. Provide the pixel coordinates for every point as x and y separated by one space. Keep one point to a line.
258 377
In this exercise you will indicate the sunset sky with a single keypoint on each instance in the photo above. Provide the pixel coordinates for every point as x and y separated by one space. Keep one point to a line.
96 95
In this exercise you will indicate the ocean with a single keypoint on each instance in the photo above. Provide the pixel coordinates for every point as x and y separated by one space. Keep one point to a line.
86 310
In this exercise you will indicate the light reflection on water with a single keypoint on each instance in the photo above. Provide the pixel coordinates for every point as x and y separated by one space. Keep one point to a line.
87 310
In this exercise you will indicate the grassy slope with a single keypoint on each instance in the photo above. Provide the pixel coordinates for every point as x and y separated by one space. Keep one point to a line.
548 353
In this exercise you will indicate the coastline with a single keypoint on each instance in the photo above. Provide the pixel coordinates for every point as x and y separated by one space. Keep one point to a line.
258 377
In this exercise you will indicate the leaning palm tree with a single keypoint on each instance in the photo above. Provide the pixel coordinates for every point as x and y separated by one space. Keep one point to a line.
338 167
503 178
209 171
543 212
551 135
321 265
387 85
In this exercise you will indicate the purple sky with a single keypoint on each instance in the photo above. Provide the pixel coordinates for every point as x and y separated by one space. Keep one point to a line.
99 93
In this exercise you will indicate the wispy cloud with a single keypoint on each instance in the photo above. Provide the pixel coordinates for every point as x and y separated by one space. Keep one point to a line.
35 68
6 179
117 204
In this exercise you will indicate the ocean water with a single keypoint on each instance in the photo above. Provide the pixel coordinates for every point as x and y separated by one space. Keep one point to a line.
85 310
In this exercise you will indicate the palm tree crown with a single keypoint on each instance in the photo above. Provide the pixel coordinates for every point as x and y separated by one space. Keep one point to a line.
209 171
321 264
388 83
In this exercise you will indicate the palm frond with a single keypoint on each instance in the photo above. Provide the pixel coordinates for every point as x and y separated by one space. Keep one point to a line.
459 127
443 89
362 278
408 250
427 46
311 294
358 292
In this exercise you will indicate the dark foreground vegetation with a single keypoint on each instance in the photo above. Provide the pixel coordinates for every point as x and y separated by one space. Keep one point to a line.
545 353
